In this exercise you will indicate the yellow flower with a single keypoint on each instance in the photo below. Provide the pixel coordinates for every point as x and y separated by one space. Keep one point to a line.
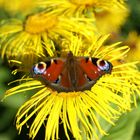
133 41
15 6
80 7
23 40
79 112
109 15
111 20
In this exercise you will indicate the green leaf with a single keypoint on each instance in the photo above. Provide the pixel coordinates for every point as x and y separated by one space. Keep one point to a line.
125 126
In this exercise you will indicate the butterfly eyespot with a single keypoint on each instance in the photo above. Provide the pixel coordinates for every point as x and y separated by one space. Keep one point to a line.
103 65
39 68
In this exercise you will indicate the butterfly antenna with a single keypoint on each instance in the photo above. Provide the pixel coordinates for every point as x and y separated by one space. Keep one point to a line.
70 54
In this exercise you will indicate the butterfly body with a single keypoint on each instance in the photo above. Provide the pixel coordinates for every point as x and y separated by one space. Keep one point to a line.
72 73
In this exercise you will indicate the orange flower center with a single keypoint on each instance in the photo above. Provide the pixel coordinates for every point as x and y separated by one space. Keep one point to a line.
40 23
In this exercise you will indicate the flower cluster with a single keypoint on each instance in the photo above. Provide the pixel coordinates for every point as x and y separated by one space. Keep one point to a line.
54 29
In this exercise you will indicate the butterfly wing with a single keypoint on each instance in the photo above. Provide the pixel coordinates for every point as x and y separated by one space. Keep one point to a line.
93 69
49 71
72 73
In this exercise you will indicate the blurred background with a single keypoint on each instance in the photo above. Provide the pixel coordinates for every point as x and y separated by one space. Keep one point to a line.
129 123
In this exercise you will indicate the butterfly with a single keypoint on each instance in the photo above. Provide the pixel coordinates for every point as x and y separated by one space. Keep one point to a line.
71 73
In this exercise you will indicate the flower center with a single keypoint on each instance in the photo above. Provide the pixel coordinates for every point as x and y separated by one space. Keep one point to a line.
83 2
67 94
39 23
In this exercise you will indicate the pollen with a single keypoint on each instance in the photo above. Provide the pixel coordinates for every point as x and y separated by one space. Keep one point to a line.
39 23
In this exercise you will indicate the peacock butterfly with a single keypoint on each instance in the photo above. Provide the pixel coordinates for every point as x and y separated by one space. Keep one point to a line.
72 73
